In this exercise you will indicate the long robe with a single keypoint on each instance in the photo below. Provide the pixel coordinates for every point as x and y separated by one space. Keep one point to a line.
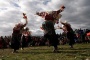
49 32
16 37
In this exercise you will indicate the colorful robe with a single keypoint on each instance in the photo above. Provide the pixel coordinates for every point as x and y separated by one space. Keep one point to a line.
52 15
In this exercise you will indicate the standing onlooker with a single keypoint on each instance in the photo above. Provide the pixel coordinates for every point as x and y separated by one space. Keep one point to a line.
1 43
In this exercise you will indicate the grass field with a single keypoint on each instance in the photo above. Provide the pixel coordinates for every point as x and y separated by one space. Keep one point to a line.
79 52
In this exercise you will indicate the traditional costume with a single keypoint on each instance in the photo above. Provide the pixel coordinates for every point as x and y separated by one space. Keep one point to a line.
16 35
26 38
70 33
48 26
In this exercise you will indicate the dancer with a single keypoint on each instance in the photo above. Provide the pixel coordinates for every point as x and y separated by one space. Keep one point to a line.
69 31
51 15
16 35
26 38
48 26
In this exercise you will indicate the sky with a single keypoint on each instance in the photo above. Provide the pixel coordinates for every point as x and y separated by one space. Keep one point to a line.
77 13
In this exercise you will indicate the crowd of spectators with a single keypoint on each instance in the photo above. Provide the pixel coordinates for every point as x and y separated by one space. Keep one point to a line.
81 37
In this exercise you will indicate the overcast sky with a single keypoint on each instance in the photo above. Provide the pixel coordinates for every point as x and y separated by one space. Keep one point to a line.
77 13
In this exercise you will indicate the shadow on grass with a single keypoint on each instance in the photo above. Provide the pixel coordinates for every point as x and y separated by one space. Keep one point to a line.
78 51
32 52
67 51
40 49
74 48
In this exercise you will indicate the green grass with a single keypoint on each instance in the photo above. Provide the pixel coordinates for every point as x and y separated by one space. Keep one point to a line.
80 52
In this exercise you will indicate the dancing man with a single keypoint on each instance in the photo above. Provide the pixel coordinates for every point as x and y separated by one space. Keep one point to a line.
16 35
26 38
69 32
48 25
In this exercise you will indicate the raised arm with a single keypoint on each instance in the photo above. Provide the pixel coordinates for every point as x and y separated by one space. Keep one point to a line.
25 17
61 9
57 15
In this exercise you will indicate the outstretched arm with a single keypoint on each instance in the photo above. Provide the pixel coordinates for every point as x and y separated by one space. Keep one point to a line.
42 14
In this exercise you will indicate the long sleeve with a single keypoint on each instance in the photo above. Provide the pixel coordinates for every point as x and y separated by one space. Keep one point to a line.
25 23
